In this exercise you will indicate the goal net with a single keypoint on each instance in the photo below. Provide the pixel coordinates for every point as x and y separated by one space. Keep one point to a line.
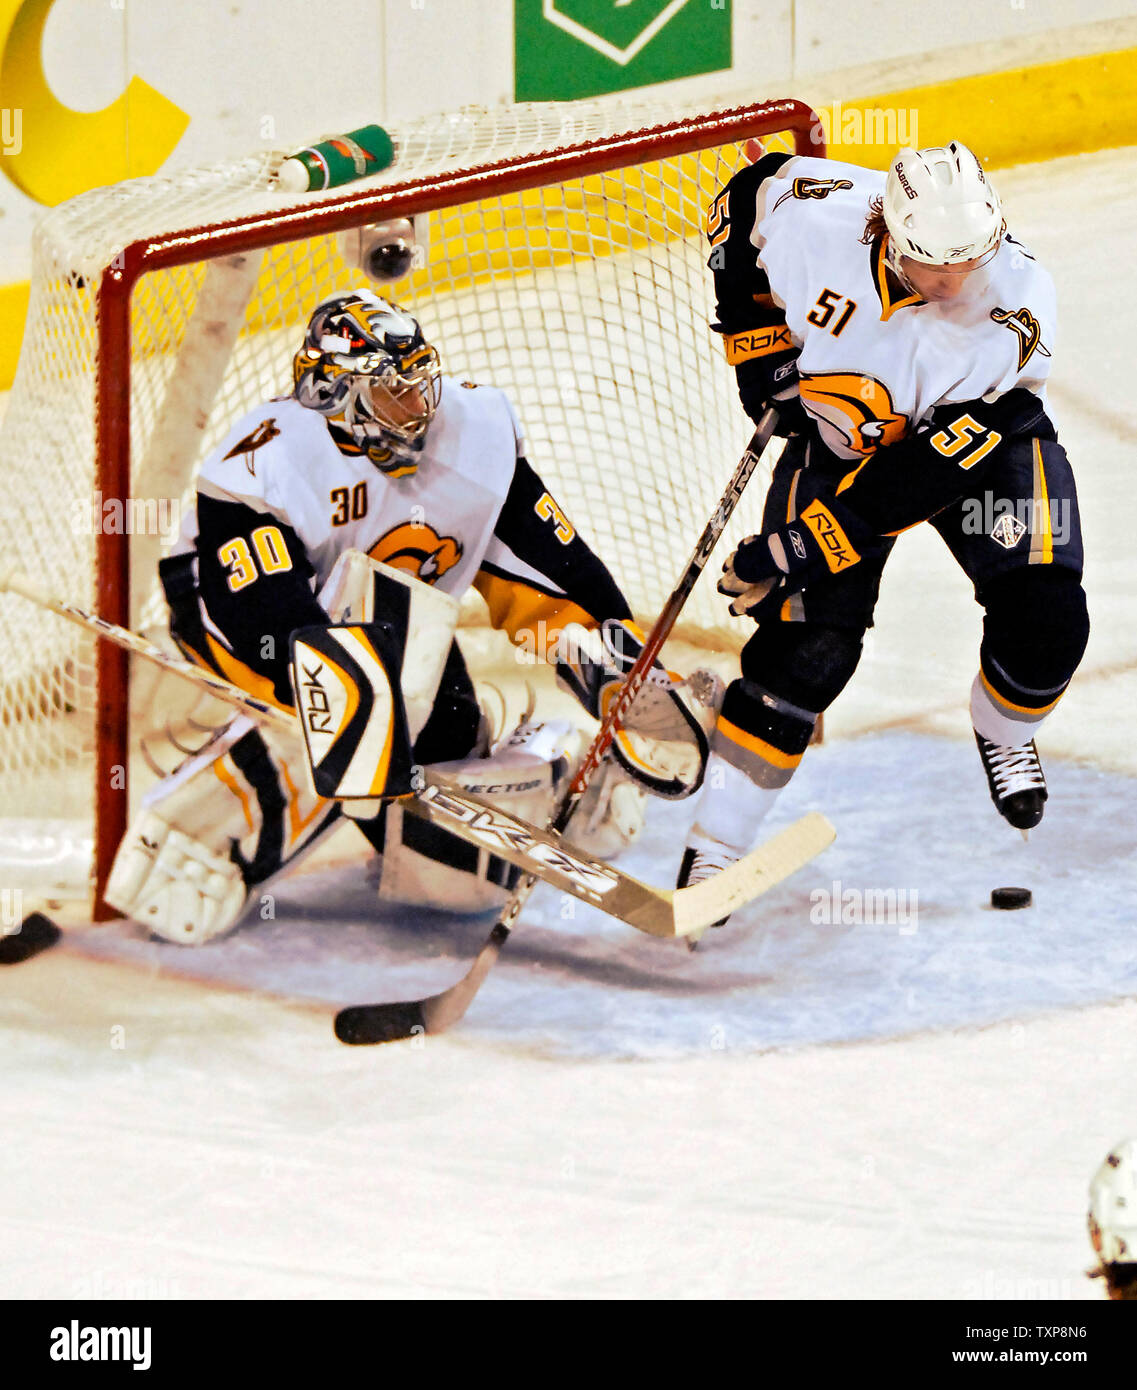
560 255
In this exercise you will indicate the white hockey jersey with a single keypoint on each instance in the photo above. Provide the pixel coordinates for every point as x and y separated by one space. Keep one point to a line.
873 360
438 523
279 501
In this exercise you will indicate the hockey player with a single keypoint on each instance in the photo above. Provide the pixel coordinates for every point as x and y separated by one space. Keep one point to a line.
1113 1220
378 467
905 338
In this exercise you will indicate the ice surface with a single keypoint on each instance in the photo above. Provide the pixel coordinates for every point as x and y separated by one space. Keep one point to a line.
800 965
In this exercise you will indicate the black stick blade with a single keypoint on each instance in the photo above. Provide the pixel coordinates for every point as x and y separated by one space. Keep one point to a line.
380 1023
37 933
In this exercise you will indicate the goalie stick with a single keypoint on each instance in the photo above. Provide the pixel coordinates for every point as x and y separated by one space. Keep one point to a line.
390 1022
538 852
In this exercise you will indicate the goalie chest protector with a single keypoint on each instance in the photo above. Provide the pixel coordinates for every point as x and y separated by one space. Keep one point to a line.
435 524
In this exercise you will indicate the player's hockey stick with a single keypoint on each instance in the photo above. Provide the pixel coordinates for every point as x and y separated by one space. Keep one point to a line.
376 1023
539 852
656 911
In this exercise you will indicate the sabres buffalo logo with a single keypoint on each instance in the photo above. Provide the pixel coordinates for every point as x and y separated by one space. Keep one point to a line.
812 188
417 548
855 412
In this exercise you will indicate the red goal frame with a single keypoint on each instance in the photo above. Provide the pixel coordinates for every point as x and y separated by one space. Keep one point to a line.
296 222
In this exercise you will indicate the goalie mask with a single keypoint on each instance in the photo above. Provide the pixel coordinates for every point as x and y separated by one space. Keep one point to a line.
367 368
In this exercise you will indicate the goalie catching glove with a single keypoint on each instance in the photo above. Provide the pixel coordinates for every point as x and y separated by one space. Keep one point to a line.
827 538
664 738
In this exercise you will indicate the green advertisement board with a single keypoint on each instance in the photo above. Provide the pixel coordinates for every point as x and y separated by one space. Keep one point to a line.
580 48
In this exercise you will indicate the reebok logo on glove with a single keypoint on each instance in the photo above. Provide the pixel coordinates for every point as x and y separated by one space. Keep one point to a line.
835 546
756 342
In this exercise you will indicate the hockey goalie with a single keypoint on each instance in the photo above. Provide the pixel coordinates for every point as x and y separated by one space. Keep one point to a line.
334 533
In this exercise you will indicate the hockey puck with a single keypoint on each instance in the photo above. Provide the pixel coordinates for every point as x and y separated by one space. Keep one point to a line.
1010 897
37 933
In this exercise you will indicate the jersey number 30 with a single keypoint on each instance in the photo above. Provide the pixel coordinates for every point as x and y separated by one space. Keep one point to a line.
272 553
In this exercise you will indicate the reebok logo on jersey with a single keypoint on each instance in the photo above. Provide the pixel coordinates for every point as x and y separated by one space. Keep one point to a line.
757 342
1023 323
835 546
798 545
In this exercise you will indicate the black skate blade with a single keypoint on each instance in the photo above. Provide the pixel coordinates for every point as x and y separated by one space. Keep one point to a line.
37 933
379 1023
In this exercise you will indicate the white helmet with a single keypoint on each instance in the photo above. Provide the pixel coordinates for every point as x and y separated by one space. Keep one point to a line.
939 206
1113 1206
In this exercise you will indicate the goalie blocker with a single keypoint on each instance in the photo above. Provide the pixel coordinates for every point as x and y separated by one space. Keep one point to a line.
364 690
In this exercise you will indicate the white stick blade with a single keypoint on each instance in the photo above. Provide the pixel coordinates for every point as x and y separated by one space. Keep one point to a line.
759 871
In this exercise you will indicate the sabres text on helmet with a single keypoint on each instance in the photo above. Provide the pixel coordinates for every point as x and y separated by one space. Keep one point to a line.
944 219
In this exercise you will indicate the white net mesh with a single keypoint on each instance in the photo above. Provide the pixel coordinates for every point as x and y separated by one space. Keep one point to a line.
587 301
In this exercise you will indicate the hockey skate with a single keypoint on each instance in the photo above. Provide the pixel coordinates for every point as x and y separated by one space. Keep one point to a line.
697 865
1018 787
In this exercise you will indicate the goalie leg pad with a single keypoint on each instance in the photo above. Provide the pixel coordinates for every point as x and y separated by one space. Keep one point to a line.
457 727
610 815
233 815
173 884
426 866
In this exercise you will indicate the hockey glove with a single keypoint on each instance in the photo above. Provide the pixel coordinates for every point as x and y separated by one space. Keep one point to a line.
762 384
766 569
663 741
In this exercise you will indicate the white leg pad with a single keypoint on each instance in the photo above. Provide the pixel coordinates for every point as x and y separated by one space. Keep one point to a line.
525 775
173 884
174 871
610 815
